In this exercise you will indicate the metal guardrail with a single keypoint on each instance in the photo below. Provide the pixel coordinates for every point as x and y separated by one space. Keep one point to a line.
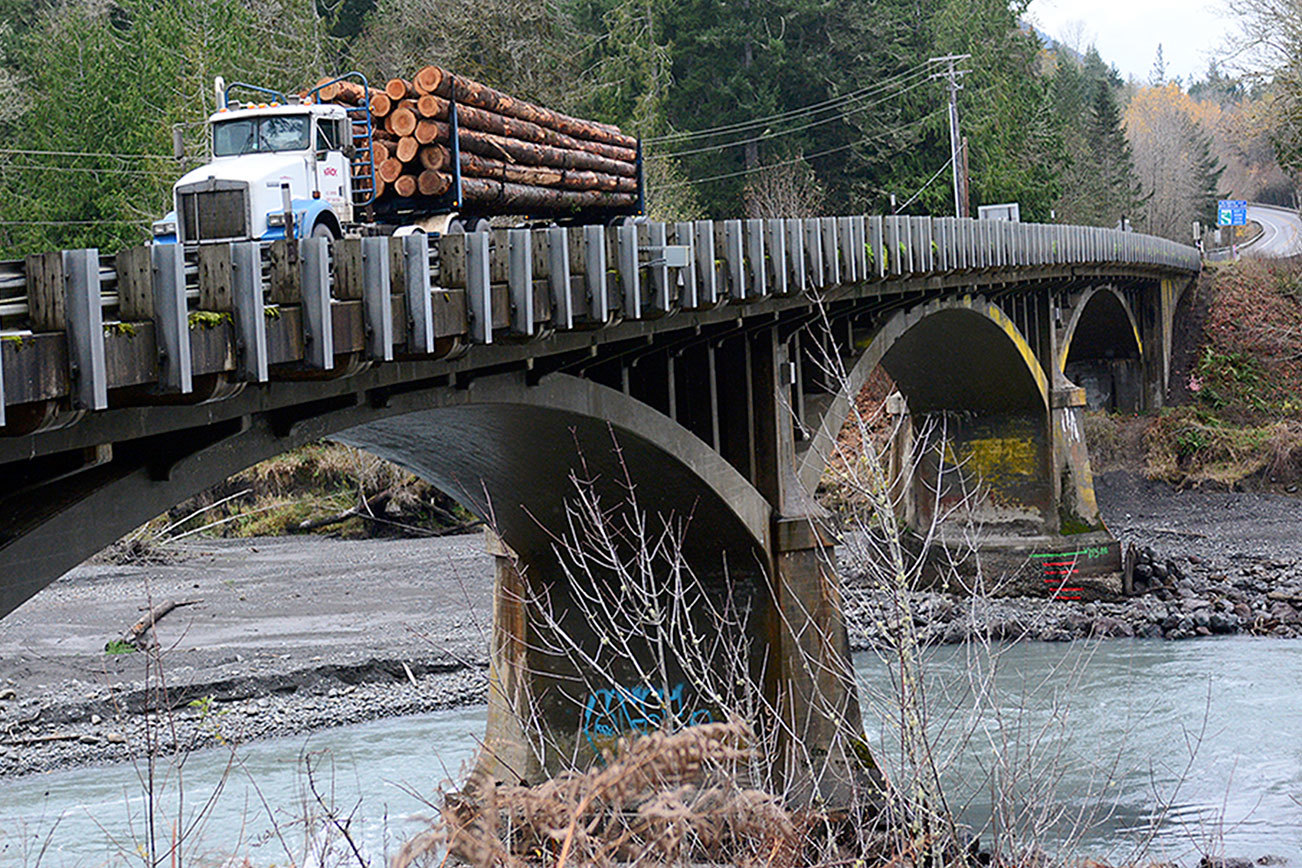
583 275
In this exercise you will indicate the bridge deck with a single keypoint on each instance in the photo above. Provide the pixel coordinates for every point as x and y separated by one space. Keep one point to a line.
154 324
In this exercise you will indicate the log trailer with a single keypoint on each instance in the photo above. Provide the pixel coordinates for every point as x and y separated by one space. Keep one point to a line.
344 159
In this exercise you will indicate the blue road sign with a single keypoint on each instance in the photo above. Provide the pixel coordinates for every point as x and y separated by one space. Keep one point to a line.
1232 212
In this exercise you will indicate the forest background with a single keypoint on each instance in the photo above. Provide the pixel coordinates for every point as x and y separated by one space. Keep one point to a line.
761 107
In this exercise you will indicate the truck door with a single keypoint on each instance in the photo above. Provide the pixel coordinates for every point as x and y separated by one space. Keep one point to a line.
332 166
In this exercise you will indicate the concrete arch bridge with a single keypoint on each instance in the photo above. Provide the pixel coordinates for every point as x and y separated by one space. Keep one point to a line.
688 361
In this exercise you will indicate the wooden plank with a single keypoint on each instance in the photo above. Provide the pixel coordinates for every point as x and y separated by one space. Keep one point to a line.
215 278
45 302
285 282
135 284
349 276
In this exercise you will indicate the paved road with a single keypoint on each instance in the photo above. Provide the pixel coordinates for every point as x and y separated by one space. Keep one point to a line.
1281 232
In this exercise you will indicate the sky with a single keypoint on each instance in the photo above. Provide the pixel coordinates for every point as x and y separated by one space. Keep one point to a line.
1127 32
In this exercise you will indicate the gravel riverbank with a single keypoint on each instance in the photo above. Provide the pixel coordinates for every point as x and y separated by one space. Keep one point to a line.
298 634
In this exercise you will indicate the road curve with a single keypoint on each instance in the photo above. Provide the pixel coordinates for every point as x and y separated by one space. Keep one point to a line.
1281 232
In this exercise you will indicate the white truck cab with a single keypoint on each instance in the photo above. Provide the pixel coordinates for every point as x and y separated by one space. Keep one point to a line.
268 160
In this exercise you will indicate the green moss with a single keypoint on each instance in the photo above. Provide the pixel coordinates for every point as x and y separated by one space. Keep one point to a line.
208 319
271 311
17 341
125 329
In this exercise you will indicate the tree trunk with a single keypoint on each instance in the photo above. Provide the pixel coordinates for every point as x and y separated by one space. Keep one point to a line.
508 196
514 128
379 152
398 89
515 151
431 183
431 79
407 149
544 176
435 157
428 132
390 170
381 105
481 96
436 81
406 186
402 120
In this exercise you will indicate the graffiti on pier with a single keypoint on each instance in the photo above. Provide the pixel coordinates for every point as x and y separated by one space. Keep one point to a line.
608 714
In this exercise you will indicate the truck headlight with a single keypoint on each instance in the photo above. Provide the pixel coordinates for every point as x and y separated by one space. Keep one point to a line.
164 227
276 218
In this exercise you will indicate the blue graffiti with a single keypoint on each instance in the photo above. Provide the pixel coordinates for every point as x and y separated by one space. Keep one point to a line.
607 714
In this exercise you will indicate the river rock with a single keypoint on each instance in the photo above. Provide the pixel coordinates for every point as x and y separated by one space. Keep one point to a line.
1284 613
1224 862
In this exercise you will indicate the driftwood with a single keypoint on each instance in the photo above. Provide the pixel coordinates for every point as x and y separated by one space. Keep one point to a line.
136 633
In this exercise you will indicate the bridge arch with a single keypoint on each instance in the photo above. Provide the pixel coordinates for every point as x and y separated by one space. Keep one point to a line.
1102 350
444 434
975 329
964 360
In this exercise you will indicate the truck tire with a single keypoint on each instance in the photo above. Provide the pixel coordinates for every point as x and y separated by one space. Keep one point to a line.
323 229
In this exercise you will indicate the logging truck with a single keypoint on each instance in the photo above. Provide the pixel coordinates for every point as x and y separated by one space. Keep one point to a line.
346 159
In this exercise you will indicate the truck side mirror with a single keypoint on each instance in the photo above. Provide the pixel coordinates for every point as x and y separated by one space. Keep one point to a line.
350 151
178 142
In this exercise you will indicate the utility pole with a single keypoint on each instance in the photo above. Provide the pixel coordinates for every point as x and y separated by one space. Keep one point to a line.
957 145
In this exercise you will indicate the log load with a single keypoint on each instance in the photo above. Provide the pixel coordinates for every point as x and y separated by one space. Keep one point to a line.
513 156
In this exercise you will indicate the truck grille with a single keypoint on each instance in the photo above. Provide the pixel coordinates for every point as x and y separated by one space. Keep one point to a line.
214 214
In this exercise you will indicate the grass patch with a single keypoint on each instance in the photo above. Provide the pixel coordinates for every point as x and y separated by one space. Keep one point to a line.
1192 445
313 484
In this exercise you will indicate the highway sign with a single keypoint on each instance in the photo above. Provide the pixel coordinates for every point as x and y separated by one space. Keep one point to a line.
1232 212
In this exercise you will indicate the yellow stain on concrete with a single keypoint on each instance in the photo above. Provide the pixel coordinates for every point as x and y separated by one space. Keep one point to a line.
996 460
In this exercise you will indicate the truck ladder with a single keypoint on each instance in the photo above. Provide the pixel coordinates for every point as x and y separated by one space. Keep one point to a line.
362 162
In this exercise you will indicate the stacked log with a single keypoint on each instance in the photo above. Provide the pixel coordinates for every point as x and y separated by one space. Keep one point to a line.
515 157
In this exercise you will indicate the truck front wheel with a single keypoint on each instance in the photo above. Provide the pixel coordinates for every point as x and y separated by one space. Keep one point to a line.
323 229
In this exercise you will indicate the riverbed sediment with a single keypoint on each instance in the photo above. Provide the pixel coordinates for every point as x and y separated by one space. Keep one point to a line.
294 635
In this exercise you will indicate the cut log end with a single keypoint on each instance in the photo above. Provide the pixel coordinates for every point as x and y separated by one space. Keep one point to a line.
381 105
406 185
407 149
431 79
431 183
397 88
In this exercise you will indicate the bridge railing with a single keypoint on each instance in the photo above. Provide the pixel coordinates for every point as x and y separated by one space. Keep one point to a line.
78 323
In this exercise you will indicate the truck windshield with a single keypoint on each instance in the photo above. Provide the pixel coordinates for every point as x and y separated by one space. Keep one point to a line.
260 134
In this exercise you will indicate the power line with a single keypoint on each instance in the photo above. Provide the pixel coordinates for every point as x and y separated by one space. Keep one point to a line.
793 130
25 153
69 222
787 115
113 170
814 156
930 181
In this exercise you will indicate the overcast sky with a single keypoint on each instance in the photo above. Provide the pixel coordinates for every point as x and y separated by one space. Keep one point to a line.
1127 32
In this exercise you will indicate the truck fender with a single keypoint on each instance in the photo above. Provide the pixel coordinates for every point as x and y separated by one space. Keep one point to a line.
309 212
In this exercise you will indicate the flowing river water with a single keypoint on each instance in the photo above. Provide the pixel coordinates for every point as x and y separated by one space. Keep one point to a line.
1192 747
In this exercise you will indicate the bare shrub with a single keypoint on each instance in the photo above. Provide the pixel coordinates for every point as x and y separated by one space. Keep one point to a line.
788 189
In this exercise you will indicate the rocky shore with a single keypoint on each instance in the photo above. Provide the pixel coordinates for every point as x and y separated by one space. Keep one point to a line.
298 634
1186 598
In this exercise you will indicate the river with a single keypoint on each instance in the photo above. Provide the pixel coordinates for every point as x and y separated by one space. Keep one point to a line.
1192 746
